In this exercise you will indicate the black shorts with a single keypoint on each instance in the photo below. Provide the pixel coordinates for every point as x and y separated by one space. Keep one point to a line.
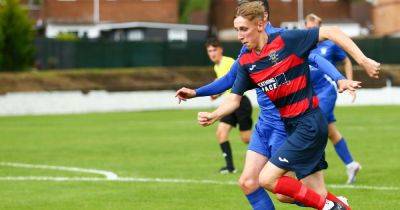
241 116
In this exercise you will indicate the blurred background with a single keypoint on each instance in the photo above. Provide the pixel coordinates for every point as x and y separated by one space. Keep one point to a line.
141 45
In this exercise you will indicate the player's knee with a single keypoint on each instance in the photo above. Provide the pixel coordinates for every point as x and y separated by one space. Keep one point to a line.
266 182
334 136
222 135
248 184
284 199
245 139
245 136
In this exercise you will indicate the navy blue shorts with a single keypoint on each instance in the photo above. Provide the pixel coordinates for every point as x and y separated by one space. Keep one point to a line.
304 150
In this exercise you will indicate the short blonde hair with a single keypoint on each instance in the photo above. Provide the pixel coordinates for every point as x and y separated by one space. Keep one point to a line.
251 10
313 18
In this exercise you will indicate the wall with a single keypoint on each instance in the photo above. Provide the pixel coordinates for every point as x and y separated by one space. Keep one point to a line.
385 17
101 101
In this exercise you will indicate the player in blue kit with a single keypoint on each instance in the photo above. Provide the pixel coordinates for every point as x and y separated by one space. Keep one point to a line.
297 104
327 96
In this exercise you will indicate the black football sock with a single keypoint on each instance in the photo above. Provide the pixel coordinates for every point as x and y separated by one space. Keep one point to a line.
227 153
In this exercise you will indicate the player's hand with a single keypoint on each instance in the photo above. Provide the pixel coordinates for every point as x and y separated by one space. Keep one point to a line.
353 95
371 67
347 84
206 118
185 93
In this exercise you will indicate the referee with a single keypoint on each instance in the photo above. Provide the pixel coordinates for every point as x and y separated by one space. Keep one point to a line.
242 116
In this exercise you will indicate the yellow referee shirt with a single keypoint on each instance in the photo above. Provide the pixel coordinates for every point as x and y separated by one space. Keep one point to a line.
223 67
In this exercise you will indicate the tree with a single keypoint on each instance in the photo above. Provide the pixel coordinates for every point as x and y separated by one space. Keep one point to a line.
1 41
17 47
186 7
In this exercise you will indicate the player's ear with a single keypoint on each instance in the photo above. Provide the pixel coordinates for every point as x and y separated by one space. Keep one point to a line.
266 16
260 25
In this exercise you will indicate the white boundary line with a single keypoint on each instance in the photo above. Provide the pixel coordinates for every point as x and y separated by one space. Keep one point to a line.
108 174
162 180
112 177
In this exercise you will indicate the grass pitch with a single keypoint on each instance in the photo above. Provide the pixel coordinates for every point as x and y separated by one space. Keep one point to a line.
170 145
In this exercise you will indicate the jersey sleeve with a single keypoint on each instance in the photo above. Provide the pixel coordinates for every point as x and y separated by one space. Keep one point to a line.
242 82
220 85
301 42
325 66
339 53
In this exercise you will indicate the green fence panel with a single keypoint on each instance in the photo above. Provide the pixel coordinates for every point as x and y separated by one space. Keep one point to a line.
53 54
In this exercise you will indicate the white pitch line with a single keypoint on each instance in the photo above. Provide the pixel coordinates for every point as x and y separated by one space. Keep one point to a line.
108 174
162 180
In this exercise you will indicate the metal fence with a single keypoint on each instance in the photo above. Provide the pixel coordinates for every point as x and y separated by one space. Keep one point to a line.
54 54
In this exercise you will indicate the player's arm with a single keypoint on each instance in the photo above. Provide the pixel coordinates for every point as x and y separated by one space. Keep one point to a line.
231 103
341 55
348 67
214 88
336 35
324 65
328 68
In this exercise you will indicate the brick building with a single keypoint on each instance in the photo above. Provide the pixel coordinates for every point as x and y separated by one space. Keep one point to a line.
376 16
286 11
115 11
379 17
134 20
385 17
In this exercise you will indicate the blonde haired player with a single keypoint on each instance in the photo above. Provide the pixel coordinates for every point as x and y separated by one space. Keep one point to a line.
276 64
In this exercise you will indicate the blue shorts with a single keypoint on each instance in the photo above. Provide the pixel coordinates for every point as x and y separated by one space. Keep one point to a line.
266 139
303 151
327 101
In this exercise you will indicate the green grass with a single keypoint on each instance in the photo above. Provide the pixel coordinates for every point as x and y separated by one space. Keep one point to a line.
170 144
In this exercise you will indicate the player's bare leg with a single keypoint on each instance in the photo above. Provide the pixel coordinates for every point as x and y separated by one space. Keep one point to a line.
353 167
248 181
254 163
316 182
245 136
222 134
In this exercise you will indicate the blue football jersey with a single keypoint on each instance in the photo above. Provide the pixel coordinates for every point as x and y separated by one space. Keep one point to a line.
330 51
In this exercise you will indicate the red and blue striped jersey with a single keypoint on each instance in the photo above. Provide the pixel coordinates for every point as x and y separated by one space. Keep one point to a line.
281 70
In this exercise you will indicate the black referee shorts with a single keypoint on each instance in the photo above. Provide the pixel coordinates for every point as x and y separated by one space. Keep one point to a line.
241 116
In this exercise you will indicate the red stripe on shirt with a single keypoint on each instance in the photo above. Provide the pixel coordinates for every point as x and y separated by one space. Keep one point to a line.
315 101
252 57
295 85
277 69
293 110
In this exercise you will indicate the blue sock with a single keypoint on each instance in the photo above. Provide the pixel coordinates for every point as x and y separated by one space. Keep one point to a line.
260 200
343 151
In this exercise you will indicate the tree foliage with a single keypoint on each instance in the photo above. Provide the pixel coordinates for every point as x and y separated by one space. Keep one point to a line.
16 44
186 7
